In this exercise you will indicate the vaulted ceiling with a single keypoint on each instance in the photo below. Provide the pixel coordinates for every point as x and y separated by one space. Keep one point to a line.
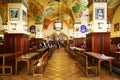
69 10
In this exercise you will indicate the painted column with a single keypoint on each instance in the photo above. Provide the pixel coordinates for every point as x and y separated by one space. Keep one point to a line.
98 15
17 16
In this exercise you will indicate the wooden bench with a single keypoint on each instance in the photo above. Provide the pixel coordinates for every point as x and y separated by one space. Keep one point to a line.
85 66
50 52
39 65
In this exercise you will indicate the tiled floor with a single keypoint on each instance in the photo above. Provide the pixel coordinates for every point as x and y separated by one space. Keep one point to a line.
61 67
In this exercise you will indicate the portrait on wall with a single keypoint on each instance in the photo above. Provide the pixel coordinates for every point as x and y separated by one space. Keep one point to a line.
83 29
77 28
99 13
33 29
116 27
14 14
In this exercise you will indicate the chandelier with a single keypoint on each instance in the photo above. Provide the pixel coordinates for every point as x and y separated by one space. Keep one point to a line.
58 25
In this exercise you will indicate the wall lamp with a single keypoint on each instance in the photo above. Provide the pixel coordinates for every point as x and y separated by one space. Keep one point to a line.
13 26
108 24
89 27
100 25
5 26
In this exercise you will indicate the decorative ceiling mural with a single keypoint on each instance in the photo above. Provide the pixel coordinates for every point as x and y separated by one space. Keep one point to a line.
3 10
69 10
35 10
78 8
112 6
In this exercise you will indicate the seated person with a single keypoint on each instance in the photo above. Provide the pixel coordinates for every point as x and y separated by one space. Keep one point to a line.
43 44
49 45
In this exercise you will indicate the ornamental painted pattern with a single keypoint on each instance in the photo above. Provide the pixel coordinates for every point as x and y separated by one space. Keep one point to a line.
36 9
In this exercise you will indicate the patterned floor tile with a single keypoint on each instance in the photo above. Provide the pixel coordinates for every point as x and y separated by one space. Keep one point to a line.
61 67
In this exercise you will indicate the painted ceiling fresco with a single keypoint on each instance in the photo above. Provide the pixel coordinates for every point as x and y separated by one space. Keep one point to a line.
49 10
112 6
69 10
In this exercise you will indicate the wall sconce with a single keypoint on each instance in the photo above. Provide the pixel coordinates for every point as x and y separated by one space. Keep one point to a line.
100 25
13 26
89 27
25 27
5 26
108 24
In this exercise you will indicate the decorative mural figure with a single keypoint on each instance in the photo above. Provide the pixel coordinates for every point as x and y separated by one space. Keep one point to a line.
78 8
36 9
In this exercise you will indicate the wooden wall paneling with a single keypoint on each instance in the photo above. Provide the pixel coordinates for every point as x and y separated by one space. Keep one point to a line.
17 43
36 41
88 42
79 41
2 47
98 42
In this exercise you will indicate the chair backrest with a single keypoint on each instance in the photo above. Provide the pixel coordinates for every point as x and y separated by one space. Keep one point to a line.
45 56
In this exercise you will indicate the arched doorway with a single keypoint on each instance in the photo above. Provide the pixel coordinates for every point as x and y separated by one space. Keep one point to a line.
62 38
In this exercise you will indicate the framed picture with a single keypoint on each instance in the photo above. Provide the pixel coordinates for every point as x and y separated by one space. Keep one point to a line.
33 29
116 27
14 14
99 14
83 29
24 17
77 28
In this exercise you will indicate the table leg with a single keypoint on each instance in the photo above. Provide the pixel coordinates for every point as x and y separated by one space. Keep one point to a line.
16 67
3 65
99 63
110 66
28 65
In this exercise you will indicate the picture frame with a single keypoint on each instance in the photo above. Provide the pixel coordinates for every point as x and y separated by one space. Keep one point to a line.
116 27
33 29
77 28
14 14
24 15
99 14
83 28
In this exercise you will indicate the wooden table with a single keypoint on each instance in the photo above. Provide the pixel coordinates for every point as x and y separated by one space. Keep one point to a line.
3 66
101 58
26 58
79 49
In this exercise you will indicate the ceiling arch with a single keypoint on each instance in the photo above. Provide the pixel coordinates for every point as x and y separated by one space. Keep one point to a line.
45 9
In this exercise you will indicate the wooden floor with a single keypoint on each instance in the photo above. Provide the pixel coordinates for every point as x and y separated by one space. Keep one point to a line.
61 67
